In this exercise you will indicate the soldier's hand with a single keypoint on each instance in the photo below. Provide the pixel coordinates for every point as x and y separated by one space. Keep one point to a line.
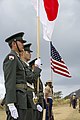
13 110
38 62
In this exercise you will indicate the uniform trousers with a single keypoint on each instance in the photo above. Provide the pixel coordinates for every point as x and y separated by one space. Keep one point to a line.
49 108
21 112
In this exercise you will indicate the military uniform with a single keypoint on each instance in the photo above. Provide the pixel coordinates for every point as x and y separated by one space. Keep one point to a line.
48 97
14 73
74 100
31 76
39 94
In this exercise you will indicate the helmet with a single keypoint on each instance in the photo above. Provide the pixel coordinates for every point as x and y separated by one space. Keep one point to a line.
49 81
74 93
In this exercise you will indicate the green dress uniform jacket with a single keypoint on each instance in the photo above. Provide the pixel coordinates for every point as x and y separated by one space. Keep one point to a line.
31 77
14 73
40 94
41 98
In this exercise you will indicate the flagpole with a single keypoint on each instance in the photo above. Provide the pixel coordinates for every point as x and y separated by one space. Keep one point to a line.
38 36
38 48
50 60
38 29
52 77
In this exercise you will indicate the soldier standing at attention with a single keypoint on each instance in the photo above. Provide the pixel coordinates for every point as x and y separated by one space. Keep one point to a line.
31 76
49 99
74 100
39 94
14 73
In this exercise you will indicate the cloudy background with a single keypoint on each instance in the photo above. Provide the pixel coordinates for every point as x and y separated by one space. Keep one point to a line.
19 15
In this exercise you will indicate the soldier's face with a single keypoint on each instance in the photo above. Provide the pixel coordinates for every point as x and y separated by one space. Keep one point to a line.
28 55
49 84
20 45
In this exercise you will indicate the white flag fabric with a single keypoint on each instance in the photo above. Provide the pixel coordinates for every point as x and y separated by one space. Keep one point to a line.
47 25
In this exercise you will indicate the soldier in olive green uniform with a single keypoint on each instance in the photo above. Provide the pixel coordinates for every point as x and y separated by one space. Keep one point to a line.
39 93
14 73
31 76
40 98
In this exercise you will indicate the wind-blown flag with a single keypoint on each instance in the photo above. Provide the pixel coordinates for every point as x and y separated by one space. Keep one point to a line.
48 13
57 63
51 8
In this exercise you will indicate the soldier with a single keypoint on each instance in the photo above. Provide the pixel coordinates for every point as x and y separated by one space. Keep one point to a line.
49 99
74 100
39 93
31 76
14 73
70 100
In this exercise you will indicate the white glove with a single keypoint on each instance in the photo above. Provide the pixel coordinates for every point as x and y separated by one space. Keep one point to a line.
38 62
13 110
39 108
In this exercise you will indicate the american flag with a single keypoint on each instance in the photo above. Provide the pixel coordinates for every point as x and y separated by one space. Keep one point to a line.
57 63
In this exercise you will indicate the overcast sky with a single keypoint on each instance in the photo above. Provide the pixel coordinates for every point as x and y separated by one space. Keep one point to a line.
19 15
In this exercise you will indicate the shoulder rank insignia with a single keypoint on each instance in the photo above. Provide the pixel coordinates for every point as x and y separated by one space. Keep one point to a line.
11 57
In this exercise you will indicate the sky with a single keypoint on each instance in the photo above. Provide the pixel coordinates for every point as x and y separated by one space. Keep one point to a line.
17 16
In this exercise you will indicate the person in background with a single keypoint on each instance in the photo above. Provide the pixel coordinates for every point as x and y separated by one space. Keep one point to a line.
14 73
74 100
70 100
48 94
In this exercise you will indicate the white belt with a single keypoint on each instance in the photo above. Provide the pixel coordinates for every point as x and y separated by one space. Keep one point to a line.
50 97
29 85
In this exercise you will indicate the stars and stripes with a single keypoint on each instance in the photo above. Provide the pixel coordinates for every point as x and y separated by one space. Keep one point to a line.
57 63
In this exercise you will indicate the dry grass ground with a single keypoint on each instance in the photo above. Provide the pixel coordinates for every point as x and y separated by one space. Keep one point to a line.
65 112
61 112
2 114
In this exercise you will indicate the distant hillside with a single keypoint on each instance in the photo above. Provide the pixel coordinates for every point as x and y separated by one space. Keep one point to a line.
77 94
